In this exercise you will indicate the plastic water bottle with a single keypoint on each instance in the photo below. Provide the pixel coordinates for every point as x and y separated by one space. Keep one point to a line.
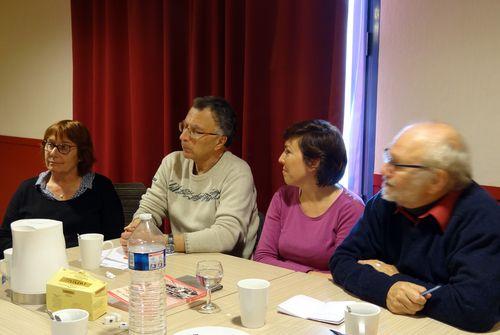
146 261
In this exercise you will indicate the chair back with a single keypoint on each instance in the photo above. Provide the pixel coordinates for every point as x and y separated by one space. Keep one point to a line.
262 218
130 195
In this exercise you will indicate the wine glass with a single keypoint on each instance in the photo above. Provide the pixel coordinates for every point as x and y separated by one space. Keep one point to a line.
209 274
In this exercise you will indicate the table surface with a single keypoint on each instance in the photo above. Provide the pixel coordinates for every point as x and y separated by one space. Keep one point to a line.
285 283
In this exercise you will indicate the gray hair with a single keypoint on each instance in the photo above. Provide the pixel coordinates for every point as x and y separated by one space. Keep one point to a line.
222 112
454 158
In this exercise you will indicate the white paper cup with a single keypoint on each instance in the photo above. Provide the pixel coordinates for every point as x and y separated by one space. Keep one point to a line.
362 319
253 302
5 264
73 322
91 246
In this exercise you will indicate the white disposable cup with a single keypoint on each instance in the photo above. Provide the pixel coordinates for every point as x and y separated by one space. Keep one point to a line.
91 246
5 264
362 319
72 322
253 302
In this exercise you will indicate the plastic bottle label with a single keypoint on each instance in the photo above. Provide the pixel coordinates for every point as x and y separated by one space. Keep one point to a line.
146 262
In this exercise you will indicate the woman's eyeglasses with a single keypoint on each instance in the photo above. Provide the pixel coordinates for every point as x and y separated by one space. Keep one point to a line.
63 148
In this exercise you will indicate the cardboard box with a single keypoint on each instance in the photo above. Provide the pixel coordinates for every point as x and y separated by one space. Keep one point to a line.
77 289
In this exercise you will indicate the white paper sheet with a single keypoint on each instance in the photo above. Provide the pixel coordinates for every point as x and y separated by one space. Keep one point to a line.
306 307
115 258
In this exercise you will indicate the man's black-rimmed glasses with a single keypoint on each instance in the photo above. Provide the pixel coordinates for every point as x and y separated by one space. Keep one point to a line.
388 160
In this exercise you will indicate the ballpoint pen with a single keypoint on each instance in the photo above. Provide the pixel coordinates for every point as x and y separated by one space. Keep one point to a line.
430 290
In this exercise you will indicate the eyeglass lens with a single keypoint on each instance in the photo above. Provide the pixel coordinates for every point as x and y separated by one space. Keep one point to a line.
62 148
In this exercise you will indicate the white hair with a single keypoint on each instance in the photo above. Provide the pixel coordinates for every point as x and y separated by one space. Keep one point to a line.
454 158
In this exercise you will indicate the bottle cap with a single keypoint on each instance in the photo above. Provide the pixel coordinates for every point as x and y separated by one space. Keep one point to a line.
145 216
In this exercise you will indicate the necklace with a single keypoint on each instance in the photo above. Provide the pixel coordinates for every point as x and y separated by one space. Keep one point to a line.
57 189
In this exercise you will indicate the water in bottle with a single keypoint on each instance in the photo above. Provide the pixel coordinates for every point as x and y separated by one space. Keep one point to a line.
147 301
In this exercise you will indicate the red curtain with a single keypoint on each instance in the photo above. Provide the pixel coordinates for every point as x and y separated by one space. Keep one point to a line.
138 65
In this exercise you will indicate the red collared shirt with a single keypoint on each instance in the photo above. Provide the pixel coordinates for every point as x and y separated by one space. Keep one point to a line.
441 211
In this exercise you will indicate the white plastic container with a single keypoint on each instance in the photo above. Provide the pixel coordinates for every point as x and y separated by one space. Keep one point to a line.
39 250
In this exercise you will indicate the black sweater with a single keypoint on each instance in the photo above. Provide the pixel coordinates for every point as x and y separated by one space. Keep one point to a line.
464 258
97 210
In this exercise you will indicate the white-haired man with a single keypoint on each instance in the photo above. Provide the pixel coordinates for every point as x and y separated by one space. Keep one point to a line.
431 225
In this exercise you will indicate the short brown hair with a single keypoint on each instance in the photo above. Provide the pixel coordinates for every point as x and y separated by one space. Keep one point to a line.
319 139
76 132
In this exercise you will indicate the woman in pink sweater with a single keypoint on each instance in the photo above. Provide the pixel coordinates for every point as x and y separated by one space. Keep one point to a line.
310 216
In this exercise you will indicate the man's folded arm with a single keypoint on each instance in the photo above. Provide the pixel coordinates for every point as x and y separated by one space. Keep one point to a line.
469 300
364 242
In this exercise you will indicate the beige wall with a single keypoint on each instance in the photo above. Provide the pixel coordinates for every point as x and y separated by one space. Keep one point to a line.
440 60
35 65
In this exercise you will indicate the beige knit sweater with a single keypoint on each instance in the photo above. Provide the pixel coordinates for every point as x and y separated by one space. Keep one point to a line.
216 211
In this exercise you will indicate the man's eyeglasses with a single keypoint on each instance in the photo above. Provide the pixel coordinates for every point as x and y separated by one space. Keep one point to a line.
193 133
388 160
63 148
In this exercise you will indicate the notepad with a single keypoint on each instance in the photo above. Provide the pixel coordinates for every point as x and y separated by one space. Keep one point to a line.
306 307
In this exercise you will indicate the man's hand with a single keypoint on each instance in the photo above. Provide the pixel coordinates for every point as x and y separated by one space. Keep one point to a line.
127 232
380 266
404 298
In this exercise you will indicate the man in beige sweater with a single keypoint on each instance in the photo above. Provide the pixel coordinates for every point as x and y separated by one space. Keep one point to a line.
207 193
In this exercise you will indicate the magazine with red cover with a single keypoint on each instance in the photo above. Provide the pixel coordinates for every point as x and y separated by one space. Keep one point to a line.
178 293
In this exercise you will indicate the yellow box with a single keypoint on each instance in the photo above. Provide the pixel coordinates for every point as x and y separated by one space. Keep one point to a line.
77 289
